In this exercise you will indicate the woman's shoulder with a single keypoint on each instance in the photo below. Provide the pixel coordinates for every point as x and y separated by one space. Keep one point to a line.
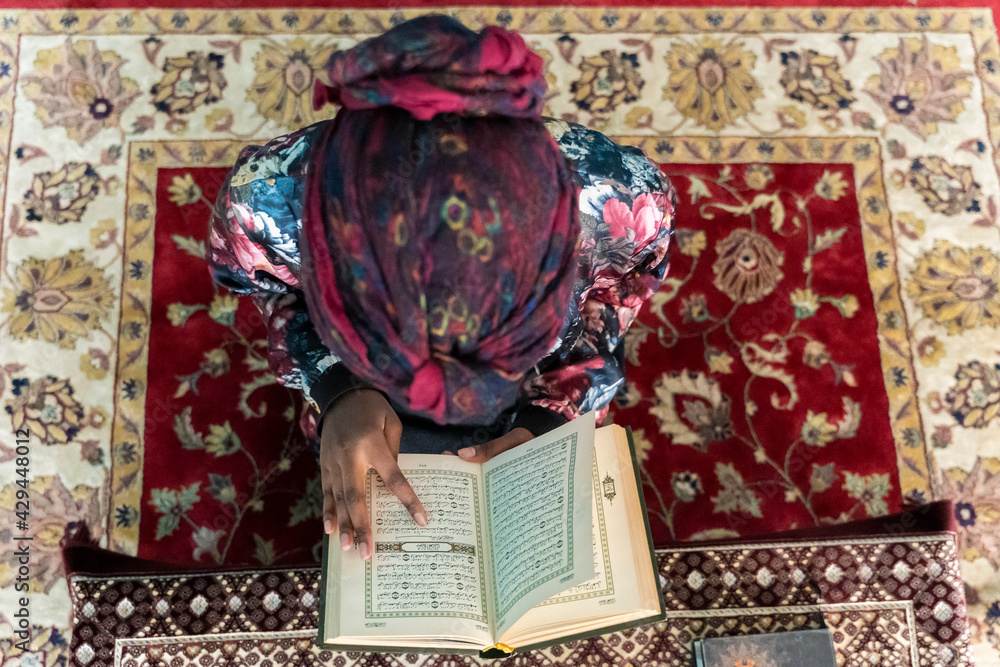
597 158
286 156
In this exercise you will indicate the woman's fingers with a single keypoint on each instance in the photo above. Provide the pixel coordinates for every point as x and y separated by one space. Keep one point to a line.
395 482
344 525
486 451
360 430
354 499
329 505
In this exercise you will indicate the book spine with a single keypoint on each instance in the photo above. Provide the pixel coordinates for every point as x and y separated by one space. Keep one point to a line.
496 651
323 580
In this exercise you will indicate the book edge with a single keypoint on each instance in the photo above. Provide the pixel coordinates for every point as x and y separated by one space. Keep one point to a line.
646 620
323 575
397 650
645 520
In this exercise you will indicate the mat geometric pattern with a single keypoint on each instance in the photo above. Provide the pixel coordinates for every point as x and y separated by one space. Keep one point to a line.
823 349
896 599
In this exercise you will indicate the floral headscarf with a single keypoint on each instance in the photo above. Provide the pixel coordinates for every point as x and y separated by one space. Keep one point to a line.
440 224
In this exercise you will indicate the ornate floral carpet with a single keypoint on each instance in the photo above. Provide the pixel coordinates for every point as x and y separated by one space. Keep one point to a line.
823 349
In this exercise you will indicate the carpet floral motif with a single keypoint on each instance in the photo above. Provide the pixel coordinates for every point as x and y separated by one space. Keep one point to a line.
958 288
815 79
189 82
286 75
945 188
53 508
710 81
79 86
58 300
607 81
62 196
920 85
978 512
746 108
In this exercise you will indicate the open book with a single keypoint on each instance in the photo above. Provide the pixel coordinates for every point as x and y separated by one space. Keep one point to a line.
544 543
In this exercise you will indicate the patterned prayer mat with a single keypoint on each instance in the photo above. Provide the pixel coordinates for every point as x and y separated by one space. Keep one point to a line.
887 600
822 350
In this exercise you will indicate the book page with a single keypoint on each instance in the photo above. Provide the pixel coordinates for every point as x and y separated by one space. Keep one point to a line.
421 581
615 590
603 583
538 500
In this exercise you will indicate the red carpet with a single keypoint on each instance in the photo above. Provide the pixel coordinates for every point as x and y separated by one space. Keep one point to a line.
227 475
759 373
758 362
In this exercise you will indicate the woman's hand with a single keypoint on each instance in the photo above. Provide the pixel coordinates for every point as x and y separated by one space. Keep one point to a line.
361 432
485 452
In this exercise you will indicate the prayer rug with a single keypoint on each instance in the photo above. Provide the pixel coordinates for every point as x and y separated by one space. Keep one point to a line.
823 349
889 600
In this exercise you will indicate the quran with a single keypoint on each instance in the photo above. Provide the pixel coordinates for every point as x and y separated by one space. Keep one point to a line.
780 649
544 543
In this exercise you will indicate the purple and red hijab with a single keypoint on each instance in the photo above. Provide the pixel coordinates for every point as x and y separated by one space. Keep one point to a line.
440 223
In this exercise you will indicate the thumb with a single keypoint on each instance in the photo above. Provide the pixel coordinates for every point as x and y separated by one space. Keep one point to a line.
486 451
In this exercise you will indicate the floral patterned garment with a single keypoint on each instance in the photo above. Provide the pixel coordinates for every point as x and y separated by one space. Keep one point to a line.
626 213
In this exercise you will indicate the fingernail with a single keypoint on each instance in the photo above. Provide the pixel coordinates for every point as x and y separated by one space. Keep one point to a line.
420 518
328 526
363 550
467 452
345 541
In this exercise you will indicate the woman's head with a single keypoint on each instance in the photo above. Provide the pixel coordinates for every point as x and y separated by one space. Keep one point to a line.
440 251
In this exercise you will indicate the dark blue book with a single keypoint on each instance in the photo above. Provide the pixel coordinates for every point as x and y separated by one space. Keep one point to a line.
812 648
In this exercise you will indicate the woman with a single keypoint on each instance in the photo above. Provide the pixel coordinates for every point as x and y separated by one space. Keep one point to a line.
436 266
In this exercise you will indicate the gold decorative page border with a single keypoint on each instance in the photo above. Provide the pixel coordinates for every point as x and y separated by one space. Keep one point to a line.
145 159
536 20
876 229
